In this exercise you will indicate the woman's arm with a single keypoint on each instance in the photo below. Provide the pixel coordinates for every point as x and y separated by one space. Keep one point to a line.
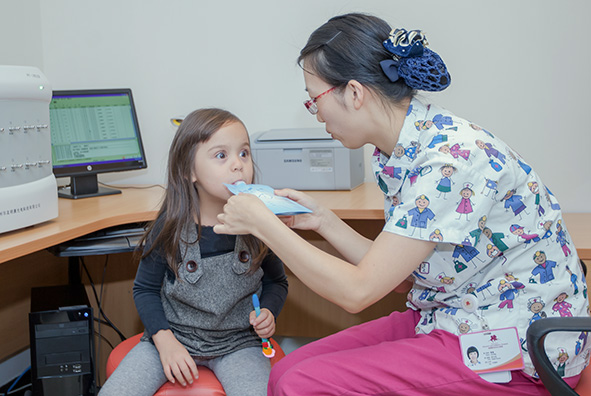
386 264
348 242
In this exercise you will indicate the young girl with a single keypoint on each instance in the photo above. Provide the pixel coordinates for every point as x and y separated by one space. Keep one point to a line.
193 289
362 77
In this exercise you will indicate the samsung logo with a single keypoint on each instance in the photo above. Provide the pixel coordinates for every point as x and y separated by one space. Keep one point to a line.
292 160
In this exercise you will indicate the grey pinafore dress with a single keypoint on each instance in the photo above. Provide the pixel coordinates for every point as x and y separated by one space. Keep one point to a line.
208 306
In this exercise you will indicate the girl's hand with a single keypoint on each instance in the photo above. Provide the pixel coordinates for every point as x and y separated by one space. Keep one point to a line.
264 324
175 359
305 221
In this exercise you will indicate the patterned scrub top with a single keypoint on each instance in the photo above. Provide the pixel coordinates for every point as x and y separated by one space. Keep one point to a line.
504 257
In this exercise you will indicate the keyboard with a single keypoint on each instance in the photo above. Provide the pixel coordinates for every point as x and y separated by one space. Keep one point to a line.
118 239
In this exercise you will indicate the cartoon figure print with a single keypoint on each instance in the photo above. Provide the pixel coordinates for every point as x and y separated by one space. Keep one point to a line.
484 287
437 139
554 206
544 267
414 174
436 236
393 172
491 152
456 151
467 252
535 189
581 342
444 184
546 226
561 306
536 305
491 188
464 326
514 202
561 363
444 279
496 238
514 281
479 128
421 214
517 230
561 238
440 121
478 232
526 168
410 152
465 204
493 252
508 293
394 202
573 280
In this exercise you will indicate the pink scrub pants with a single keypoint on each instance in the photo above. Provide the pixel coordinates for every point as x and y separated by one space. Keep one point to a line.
386 357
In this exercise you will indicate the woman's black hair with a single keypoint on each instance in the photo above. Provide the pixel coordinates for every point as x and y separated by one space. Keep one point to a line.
472 349
349 47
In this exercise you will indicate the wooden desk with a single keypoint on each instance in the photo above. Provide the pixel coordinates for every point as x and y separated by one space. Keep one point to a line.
79 217
83 216
24 263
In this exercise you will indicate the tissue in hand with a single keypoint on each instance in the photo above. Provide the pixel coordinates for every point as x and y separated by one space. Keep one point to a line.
278 205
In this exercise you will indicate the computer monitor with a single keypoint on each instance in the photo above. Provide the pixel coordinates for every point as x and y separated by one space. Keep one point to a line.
93 131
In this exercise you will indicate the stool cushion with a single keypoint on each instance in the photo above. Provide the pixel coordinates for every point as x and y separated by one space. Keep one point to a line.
583 388
206 385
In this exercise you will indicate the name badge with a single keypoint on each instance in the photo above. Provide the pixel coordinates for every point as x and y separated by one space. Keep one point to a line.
492 350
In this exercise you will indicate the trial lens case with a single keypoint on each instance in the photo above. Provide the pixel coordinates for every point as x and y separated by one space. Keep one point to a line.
305 159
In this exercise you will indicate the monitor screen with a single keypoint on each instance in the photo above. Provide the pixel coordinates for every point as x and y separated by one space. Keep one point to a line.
92 132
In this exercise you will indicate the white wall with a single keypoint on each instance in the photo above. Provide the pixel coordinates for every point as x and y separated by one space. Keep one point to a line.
519 68
20 33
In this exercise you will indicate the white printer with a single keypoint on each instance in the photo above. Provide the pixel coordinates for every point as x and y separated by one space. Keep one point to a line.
305 159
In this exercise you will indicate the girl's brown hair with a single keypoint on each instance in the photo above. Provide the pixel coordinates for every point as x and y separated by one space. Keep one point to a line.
181 201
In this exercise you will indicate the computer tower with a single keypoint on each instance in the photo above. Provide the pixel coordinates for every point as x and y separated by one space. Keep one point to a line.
62 342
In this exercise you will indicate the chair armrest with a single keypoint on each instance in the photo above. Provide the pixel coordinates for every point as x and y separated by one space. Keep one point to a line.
536 334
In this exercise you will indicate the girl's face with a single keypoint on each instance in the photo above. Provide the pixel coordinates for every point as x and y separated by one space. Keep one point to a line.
224 158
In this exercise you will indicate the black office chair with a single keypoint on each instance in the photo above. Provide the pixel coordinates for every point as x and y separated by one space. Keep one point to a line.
536 334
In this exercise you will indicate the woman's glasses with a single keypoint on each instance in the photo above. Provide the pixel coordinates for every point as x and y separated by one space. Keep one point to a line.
311 104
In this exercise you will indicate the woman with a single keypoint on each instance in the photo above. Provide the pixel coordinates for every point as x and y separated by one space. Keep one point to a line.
362 78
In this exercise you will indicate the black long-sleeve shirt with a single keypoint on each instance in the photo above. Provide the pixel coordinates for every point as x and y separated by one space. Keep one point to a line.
153 271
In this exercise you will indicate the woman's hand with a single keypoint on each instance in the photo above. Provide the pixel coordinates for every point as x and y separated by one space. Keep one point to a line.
305 221
175 359
264 324
242 213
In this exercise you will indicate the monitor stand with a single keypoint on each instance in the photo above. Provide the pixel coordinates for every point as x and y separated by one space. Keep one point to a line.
85 187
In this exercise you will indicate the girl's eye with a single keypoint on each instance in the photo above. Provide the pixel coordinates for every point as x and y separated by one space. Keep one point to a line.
244 153
220 155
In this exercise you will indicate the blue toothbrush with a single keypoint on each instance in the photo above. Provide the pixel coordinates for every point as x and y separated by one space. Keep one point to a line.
268 350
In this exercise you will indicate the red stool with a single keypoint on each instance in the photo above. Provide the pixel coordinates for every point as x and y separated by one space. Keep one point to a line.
206 385
584 386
